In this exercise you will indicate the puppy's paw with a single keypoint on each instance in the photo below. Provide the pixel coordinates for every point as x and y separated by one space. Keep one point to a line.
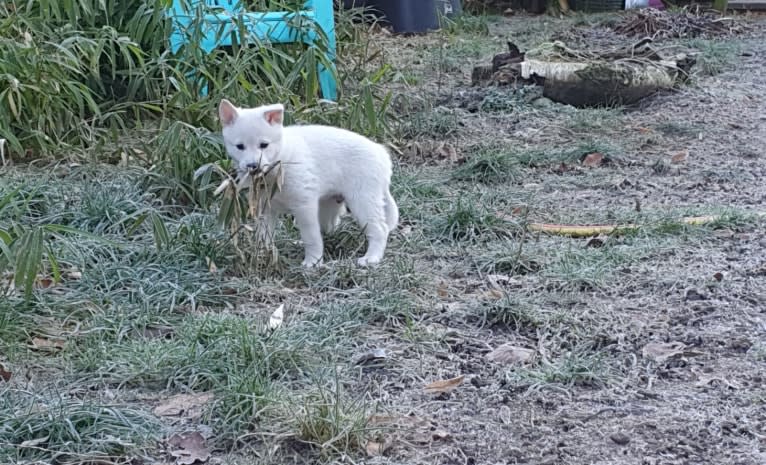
368 261
311 262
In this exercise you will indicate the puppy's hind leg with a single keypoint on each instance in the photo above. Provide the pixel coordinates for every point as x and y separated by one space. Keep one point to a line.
368 210
330 211
392 210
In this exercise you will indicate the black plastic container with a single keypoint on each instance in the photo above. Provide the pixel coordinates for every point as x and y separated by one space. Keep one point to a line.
408 15
597 6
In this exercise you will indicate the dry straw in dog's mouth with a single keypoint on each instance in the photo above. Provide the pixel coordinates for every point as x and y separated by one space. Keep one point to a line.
261 185
259 250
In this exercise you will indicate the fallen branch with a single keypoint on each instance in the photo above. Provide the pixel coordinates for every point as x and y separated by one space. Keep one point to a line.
595 230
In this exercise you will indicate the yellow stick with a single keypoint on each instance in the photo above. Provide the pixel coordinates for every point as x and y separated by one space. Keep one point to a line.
595 230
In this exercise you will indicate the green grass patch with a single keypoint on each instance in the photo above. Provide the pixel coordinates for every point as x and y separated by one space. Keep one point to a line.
466 24
715 56
574 368
489 165
58 428
551 156
467 219
330 421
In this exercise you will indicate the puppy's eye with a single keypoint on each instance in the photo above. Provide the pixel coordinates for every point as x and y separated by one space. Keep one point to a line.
264 145
240 146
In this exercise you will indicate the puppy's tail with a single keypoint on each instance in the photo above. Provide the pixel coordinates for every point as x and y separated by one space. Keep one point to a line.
392 211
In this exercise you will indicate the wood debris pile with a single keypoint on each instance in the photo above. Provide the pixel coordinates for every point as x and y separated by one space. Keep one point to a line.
685 23
596 77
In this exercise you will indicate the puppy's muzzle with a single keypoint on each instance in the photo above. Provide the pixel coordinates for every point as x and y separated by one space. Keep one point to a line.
253 168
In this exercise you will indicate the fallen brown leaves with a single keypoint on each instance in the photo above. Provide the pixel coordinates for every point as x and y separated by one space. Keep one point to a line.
593 160
410 430
679 157
5 373
660 352
188 448
508 354
46 345
183 405
444 386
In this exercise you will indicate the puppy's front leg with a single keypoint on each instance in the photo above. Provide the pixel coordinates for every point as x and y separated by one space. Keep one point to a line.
307 221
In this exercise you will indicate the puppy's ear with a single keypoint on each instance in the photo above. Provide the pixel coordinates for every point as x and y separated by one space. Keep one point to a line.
274 114
227 112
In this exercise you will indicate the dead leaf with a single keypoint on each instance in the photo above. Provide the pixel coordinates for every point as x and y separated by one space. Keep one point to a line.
123 159
276 318
224 185
436 150
188 448
45 283
705 380
679 157
34 442
447 152
593 160
493 294
562 168
373 355
442 290
391 421
186 405
444 386
519 211
723 233
506 415
74 274
662 351
51 345
376 449
211 265
5 375
505 216
718 276
508 354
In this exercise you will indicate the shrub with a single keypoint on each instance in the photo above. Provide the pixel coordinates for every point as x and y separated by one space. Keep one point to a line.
93 78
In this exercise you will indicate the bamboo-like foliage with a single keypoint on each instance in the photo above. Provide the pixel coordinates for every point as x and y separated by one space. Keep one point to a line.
93 80
94 77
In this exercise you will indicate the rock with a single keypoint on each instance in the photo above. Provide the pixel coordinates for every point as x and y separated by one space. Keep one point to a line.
620 438
542 102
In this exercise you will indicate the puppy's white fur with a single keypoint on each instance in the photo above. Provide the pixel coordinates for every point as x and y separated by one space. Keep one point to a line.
325 169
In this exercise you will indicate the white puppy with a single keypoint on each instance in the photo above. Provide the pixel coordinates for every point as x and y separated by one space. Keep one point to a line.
325 169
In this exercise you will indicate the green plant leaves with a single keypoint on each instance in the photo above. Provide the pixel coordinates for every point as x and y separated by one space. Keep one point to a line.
28 259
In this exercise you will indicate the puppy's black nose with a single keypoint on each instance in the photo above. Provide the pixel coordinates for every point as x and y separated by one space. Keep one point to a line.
252 166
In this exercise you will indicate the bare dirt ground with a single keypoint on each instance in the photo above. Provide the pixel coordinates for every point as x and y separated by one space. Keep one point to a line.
642 348
593 395
704 292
